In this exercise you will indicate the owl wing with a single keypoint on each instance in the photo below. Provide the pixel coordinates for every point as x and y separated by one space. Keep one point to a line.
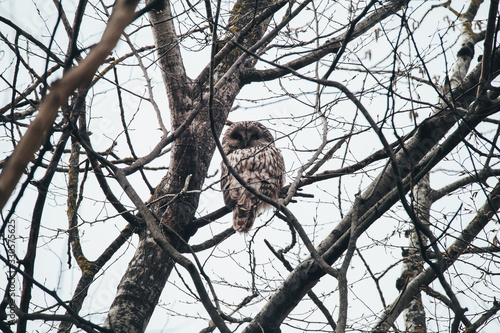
272 172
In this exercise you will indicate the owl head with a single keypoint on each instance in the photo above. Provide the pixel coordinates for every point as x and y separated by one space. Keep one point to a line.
246 134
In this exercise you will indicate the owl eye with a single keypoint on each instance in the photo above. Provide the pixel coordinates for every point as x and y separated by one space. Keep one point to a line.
236 136
254 136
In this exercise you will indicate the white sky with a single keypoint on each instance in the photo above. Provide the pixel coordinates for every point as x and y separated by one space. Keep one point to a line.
316 216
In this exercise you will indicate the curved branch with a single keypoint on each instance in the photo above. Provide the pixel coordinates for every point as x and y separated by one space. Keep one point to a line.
330 46
214 241
481 176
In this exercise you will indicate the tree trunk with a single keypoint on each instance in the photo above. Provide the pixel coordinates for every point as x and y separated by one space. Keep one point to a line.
413 263
191 154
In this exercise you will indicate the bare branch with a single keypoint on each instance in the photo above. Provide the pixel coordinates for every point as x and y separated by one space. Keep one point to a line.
61 90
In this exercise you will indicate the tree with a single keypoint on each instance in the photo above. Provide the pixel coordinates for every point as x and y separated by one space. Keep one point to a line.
385 114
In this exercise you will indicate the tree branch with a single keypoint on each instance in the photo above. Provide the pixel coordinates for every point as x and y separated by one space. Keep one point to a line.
330 46
61 90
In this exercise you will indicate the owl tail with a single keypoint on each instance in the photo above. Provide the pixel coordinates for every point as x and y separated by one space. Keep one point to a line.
244 212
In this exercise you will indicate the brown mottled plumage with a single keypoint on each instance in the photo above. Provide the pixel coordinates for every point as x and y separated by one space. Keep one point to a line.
250 149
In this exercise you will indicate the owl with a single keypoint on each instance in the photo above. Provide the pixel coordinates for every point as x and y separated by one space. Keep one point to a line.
250 149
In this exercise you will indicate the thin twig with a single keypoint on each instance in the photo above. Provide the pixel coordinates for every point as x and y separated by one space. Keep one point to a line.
80 76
